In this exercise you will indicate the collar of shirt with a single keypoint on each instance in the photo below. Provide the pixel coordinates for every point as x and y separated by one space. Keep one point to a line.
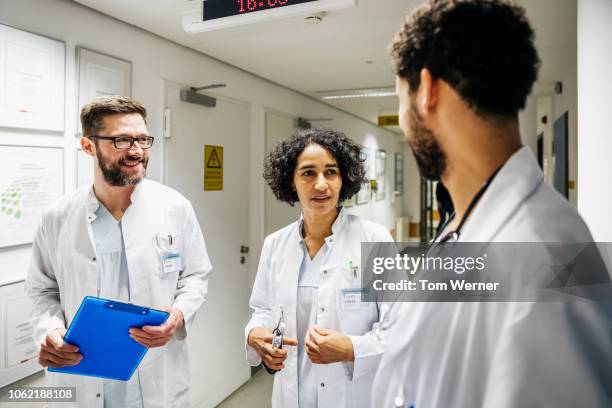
93 203
336 227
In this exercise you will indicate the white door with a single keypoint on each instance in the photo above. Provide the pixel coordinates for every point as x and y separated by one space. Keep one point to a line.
216 341
278 214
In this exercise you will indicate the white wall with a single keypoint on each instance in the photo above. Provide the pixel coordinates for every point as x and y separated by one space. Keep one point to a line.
528 124
155 59
595 116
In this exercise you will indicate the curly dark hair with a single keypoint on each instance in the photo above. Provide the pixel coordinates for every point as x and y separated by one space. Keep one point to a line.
280 162
484 49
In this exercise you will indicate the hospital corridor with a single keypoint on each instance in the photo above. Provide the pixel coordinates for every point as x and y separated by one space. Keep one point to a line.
305 203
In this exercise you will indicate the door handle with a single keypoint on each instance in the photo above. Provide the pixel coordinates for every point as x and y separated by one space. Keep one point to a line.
243 250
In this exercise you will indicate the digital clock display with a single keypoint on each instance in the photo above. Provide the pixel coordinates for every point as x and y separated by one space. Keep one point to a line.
215 9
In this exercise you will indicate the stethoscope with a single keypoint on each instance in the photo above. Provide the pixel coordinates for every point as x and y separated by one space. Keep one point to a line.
454 235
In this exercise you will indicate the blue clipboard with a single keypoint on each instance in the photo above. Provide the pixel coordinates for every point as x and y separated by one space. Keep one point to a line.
100 330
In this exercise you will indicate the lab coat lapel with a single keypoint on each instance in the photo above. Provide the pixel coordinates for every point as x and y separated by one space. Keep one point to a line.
83 218
138 223
289 282
337 250
289 285
516 181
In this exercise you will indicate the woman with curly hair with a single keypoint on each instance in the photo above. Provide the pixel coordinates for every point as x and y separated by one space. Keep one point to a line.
309 279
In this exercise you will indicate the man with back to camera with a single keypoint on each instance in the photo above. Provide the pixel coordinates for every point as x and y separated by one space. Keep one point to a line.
464 69
111 240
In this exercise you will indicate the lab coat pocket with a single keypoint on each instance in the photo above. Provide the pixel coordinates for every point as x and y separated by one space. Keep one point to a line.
351 275
170 254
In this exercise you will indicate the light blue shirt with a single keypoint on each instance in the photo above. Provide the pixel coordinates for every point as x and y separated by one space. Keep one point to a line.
114 283
308 285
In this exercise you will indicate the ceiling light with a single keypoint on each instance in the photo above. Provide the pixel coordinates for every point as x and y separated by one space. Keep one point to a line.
357 93
356 96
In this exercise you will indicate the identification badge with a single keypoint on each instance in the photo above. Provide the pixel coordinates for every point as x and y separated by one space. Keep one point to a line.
172 262
350 298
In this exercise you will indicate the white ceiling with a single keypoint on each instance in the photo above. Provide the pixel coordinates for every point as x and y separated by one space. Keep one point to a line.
347 50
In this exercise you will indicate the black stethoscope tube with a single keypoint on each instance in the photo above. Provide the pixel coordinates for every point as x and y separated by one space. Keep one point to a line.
454 235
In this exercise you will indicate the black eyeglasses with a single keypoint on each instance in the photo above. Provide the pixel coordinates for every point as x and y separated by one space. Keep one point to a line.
126 142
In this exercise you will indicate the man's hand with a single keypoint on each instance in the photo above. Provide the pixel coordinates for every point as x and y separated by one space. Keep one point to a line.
325 346
260 338
158 336
56 353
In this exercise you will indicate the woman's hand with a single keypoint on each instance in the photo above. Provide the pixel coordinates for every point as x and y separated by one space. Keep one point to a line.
325 346
260 338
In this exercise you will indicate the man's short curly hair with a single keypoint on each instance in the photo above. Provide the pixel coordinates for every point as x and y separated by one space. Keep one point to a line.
484 49
280 162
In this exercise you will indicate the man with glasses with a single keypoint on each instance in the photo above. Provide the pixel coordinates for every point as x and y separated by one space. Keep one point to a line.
124 238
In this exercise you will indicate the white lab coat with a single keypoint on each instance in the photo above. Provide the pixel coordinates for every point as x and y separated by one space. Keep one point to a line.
63 270
339 385
502 355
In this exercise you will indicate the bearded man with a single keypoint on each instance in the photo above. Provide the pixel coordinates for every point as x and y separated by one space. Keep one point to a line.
464 70
127 239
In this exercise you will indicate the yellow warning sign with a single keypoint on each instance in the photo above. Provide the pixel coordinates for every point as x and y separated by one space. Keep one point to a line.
213 168
388 120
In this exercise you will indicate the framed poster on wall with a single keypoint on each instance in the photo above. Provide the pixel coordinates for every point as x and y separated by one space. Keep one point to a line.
381 174
18 352
31 179
399 174
363 196
32 72
100 74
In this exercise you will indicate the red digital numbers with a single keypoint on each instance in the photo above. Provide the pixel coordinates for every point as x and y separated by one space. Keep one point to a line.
245 6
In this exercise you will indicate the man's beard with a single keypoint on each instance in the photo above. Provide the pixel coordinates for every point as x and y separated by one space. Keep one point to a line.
429 156
116 177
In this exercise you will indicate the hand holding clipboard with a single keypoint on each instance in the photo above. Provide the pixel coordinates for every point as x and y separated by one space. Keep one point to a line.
157 336
100 332
56 353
